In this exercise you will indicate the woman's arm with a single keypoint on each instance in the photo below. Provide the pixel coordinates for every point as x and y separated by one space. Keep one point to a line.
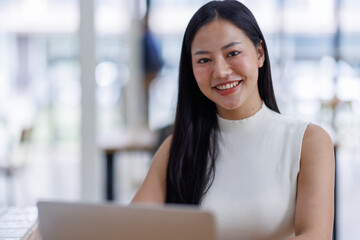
153 188
315 190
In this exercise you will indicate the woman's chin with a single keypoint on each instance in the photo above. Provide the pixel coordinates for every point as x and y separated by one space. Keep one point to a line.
228 107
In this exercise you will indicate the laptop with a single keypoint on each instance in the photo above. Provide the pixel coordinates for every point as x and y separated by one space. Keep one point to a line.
69 220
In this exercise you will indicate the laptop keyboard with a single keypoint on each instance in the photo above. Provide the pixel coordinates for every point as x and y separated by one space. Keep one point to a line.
17 223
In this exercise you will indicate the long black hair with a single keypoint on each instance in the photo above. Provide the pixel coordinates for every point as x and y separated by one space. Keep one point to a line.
193 151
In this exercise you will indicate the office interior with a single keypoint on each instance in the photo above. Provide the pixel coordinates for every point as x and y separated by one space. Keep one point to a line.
74 88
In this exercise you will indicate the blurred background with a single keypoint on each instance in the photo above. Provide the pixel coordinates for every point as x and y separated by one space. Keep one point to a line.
88 91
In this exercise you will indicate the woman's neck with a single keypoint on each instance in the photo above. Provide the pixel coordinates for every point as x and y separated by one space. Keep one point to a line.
246 110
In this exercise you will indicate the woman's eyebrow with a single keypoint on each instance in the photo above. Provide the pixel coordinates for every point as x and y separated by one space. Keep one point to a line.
222 48
201 52
230 45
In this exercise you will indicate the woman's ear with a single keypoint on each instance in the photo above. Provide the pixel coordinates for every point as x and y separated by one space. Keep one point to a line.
261 54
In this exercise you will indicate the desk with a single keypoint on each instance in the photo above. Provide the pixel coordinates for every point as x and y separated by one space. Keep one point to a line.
19 223
33 234
123 141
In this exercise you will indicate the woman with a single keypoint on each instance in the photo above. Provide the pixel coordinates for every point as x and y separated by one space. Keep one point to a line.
263 175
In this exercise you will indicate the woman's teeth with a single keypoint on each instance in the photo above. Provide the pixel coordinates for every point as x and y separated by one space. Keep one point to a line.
227 86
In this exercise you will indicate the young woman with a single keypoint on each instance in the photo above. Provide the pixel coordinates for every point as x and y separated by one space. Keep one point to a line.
265 176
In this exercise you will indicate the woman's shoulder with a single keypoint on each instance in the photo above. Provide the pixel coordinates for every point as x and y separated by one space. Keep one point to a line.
162 153
315 136
166 143
153 188
316 144
285 120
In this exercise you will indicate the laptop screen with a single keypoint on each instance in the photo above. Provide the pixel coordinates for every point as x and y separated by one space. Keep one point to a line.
65 220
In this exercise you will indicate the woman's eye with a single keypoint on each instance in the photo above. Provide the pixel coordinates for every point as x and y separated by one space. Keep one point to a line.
233 53
204 60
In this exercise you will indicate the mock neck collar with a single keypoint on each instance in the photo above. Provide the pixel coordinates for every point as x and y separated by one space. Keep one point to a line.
226 124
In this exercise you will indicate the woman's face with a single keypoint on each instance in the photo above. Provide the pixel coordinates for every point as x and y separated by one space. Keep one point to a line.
225 64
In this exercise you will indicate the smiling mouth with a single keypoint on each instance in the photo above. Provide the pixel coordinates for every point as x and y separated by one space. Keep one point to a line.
228 85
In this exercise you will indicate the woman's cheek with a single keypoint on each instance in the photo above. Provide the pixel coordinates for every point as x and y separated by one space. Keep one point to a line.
245 67
200 74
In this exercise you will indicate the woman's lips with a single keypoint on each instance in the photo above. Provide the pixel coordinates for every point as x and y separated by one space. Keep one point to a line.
228 88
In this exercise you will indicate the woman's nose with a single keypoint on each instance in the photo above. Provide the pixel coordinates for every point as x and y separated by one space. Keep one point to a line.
221 69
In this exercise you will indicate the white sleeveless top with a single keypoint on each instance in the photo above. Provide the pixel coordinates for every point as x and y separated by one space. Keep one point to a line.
253 195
